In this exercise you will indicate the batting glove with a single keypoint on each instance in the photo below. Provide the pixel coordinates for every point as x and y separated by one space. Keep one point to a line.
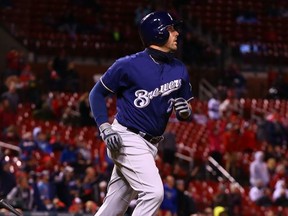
182 108
111 138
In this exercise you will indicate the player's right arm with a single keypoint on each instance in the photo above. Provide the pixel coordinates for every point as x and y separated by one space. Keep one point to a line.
97 102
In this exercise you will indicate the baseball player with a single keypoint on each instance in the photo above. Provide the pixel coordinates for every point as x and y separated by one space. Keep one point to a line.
148 85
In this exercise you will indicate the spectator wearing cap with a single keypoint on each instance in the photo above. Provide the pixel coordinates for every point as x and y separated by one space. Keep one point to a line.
41 140
77 206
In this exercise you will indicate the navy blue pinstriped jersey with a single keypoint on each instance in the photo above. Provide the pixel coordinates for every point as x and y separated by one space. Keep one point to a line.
145 90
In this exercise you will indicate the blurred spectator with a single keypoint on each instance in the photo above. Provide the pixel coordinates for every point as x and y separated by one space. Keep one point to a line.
213 107
216 148
69 154
11 94
86 118
84 157
47 109
56 104
101 193
221 197
234 201
76 206
271 165
7 116
168 147
280 174
231 142
200 115
12 63
280 194
71 115
52 77
59 205
40 138
44 187
56 143
275 131
11 134
185 203
248 138
90 207
29 89
259 170
260 195
72 81
7 180
27 145
22 196
60 65
87 190
230 105
169 205
66 185
236 80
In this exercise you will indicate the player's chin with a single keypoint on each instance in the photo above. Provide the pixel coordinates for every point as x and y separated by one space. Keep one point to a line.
173 48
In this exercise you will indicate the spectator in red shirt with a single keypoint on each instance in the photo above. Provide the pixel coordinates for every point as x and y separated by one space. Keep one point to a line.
231 142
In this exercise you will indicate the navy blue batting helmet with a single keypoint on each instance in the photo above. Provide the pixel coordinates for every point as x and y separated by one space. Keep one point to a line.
153 28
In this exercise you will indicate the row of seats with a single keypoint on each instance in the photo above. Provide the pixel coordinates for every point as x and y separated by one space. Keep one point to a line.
220 17
26 21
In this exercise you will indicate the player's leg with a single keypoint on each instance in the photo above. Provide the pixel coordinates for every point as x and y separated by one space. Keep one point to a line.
143 176
137 163
118 196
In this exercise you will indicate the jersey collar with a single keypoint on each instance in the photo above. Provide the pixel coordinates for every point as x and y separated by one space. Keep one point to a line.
159 56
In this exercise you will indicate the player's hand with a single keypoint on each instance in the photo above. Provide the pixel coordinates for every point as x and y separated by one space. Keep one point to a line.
182 108
111 138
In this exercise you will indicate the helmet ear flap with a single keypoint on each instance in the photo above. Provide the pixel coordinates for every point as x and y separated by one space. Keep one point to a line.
162 36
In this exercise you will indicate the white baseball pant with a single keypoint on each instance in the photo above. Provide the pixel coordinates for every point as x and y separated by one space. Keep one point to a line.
135 173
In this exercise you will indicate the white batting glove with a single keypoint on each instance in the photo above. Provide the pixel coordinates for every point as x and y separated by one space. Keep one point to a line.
111 138
182 108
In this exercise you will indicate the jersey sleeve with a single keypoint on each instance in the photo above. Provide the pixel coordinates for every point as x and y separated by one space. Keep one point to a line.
114 77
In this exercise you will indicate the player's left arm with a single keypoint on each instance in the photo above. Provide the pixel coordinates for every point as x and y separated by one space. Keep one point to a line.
97 100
